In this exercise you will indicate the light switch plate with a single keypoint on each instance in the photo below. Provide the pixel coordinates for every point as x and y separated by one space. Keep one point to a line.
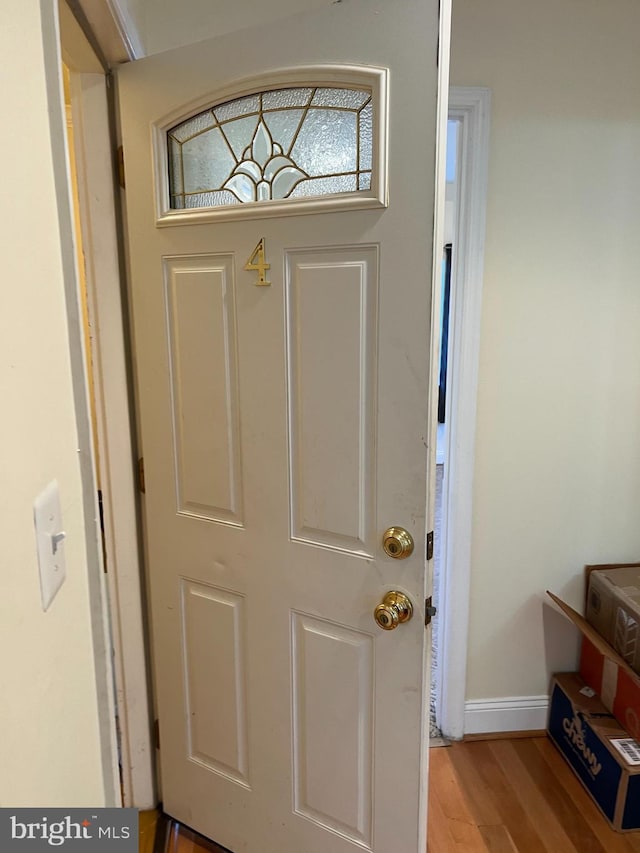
47 516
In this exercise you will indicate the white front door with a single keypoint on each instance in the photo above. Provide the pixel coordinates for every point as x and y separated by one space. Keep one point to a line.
284 425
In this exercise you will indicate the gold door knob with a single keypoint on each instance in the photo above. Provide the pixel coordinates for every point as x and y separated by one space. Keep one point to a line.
397 543
395 608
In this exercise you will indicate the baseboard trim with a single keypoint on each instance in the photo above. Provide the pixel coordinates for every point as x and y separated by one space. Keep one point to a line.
511 714
535 733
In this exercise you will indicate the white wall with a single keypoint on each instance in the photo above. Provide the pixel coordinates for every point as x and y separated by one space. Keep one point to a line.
557 479
50 719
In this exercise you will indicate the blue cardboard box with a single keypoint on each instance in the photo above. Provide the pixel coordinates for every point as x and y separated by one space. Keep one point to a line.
600 751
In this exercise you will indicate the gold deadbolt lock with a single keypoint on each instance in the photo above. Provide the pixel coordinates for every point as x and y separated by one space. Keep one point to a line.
395 608
397 543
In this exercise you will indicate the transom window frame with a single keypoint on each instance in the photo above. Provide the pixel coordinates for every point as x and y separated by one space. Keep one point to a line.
347 76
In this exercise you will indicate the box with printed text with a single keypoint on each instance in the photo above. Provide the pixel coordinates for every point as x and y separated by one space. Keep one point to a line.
600 752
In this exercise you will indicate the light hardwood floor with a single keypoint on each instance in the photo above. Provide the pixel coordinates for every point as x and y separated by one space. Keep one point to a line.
496 796
516 794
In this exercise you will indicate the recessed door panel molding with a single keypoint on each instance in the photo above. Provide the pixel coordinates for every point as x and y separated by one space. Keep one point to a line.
200 298
215 684
333 740
332 296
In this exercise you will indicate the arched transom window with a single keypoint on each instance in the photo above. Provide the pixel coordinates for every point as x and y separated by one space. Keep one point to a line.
286 143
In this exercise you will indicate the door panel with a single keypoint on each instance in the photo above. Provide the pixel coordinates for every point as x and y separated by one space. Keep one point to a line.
337 744
284 429
332 299
216 705
203 364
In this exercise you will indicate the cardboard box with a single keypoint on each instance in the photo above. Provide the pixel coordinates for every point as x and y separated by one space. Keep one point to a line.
613 608
605 671
600 752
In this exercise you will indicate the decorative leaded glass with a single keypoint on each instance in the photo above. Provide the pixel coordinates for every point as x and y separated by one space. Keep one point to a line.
288 143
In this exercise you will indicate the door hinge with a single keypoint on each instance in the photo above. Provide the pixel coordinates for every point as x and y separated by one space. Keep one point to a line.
430 545
156 733
141 485
120 162
101 517
101 511
429 611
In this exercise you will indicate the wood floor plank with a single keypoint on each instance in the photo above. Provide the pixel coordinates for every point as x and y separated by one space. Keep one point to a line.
147 824
479 797
449 796
185 845
498 839
199 843
532 798
559 799
439 839
580 803
179 841
514 817
447 789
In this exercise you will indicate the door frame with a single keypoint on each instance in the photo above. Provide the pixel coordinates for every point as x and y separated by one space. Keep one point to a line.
471 107
59 37
114 457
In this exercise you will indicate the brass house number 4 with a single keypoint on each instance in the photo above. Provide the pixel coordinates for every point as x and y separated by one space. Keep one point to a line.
257 262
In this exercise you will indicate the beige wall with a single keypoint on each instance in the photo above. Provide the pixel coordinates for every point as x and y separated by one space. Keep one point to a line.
131 18
173 23
557 479
50 746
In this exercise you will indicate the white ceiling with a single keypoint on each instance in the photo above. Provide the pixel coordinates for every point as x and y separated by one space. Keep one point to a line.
164 24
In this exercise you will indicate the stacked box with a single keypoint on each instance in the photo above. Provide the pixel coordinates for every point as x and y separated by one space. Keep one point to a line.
605 671
599 750
618 688
594 716
613 608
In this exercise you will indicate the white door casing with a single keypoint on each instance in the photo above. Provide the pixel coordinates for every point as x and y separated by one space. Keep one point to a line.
284 428
121 544
470 106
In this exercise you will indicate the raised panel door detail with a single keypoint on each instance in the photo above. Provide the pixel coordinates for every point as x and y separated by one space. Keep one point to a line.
213 628
200 299
333 726
332 297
